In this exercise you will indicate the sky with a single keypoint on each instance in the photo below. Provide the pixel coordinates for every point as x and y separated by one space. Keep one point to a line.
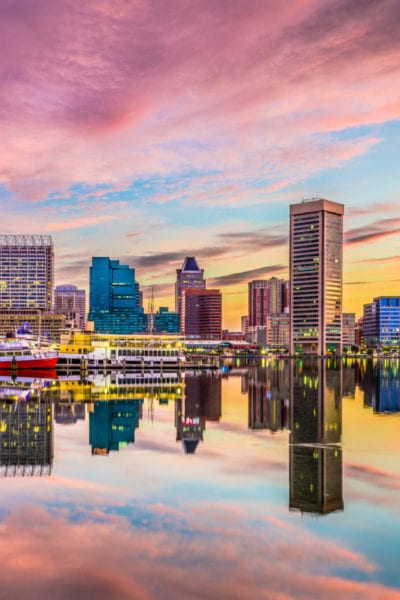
150 130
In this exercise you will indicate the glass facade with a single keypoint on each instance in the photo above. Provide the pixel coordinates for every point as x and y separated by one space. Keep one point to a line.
165 321
113 298
316 267
382 322
26 271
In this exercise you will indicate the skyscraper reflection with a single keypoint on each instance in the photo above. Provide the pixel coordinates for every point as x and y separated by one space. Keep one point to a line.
68 414
26 437
268 393
381 386
112 424
315 458
201 403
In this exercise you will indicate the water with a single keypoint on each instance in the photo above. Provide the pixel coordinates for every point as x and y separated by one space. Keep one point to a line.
277 481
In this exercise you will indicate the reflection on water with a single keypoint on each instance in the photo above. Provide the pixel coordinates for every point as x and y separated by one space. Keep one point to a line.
302 396
268 391
315 459
226 465
201 403
26 437
112 424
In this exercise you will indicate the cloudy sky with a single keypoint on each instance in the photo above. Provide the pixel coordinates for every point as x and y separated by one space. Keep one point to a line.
147 130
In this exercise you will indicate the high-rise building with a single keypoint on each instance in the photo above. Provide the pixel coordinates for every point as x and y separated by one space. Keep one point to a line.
381 322
71 302
201 313
244 322
26 272
316 276
189 276
267 297
348 329
113 306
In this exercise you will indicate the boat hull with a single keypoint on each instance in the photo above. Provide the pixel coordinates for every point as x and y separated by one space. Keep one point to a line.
23 364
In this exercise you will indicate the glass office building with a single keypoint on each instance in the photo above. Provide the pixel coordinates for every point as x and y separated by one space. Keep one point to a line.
381 323
113 304
316 276
26 272
166 321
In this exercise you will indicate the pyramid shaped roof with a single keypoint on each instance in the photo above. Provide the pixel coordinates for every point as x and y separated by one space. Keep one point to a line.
190 264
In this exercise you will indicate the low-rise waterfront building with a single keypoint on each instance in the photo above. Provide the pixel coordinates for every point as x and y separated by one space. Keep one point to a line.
166 321
43 325
381 322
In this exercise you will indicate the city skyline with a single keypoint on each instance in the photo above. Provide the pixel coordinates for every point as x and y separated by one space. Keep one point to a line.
124 137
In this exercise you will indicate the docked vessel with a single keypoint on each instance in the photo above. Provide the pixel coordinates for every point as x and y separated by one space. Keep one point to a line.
121 351
19 354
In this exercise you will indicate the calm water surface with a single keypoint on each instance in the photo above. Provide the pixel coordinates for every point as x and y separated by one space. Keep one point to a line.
274 481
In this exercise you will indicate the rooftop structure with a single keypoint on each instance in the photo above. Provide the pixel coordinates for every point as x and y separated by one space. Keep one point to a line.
26 271
189 276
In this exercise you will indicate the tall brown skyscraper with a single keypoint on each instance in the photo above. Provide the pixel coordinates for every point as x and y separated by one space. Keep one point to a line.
316 276
201 315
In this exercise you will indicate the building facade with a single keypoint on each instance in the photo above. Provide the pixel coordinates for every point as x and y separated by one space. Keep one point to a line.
267 297
71 302
43 325
348 329
26 272
189 276
201 313
316 276
381 322
166 321
113 305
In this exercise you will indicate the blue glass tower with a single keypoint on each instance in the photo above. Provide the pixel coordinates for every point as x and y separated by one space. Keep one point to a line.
113 303
112 424
382 322
166 321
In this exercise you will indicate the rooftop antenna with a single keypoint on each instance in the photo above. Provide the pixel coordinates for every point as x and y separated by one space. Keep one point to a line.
150 310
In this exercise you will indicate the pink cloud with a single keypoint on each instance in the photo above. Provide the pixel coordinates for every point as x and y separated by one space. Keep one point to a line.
124 561
138 89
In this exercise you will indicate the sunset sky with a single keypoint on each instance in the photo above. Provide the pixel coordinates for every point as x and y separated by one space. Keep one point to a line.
151 130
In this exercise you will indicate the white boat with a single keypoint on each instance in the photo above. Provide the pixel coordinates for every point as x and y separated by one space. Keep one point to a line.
18 354
118 351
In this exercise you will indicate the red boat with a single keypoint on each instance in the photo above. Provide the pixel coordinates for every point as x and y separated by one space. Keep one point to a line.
18 355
